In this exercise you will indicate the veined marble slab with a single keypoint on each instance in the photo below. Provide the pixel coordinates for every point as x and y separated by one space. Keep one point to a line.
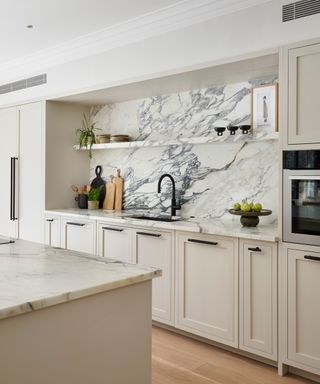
35 276
232 227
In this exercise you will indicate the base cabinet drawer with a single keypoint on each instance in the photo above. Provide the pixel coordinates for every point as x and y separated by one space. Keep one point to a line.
155 249
52 233
303 308
207 287
115 242
79 235
258 298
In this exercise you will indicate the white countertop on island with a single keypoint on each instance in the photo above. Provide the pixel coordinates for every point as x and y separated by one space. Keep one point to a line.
35 276
232 227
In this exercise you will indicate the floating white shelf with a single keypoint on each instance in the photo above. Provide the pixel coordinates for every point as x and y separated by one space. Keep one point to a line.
226 138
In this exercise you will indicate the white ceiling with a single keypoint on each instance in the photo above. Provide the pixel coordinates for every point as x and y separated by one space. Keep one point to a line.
57 21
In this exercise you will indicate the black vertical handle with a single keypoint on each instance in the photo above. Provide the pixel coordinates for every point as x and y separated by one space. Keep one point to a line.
11 188
14 189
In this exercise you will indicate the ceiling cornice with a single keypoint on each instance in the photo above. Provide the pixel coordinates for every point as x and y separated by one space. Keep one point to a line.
177 16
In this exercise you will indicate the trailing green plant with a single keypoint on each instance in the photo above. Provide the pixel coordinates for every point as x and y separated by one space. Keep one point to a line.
87 134
94 193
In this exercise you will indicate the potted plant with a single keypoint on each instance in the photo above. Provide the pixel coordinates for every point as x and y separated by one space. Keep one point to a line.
87 134
93 197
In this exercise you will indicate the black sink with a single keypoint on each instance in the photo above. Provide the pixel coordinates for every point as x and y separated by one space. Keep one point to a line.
155 218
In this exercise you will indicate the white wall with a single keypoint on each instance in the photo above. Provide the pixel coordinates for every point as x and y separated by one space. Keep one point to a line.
252 30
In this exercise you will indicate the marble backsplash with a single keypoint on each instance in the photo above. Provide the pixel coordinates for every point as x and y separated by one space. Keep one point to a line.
209 177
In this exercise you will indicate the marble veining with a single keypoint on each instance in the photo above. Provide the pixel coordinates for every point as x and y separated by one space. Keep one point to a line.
210 176
34 276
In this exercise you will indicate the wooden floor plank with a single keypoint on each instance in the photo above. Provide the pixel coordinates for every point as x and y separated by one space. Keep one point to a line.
179 359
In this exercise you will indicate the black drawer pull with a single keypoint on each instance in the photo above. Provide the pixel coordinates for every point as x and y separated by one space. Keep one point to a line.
77 224
315 258
256 249
50 220
149 234
112 229
203 242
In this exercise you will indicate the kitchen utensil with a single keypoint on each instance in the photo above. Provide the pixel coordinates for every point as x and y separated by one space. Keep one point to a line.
118 180
219 130
74 188
245 129
232 129
110 194
97 182
250 219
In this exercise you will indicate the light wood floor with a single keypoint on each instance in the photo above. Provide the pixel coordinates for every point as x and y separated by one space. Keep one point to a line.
177 359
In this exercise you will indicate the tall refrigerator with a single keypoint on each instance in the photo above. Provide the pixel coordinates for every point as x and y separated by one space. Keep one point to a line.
21 172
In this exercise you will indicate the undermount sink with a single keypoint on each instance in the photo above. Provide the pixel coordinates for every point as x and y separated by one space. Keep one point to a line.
156 218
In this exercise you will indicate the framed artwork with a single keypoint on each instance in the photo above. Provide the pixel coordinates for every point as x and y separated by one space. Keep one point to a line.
264 108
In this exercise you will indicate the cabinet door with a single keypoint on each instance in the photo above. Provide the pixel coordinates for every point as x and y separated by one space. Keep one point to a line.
303 95
258 298
207 287
79 235
9 149
52 231
115 242
154 249
304 308
31 171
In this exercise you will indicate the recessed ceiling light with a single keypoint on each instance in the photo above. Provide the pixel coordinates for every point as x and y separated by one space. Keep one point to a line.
29 26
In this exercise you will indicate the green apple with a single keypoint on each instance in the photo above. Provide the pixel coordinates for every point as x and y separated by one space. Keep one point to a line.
237 206
245 207
257 207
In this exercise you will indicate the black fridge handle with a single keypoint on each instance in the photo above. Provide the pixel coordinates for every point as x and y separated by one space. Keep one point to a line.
13 159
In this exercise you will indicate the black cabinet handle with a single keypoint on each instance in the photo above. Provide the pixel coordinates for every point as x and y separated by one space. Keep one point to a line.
77 224
256 249
149 234
13 189
112 229
315 258
203 242
50 220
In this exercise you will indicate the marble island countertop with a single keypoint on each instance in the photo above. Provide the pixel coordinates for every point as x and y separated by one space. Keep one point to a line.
232 227
35 276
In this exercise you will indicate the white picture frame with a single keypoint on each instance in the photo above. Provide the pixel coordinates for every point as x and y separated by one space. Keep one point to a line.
264 108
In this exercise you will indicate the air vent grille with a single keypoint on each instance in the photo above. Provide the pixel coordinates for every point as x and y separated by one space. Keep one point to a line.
299 9
22 84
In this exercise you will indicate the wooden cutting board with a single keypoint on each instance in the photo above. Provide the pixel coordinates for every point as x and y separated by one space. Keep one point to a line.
118 181
96 182
110 194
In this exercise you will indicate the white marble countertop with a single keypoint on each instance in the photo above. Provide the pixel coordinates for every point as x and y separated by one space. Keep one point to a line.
35 276
232 227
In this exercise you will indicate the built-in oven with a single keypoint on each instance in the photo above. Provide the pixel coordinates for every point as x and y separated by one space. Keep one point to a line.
301 197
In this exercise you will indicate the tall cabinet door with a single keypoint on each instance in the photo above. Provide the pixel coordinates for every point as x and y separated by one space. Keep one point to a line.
31 169
303 95
207 287
258 298
303 316
154 249
9 150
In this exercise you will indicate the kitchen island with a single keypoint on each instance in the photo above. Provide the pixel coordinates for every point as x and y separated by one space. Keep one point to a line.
70 318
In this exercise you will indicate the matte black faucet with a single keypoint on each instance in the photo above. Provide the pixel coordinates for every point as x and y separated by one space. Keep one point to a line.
174 204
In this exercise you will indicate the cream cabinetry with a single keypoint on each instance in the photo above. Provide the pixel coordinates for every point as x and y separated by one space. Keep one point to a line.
300 306
115 242
52 231
258 298
78 234
154 248
300 94
207 287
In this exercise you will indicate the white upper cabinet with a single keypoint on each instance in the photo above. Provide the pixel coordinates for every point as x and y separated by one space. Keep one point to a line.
258 298
154 249
115 242
300 94
207 287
